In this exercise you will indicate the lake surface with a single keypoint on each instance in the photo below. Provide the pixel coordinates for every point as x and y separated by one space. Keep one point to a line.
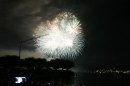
112 79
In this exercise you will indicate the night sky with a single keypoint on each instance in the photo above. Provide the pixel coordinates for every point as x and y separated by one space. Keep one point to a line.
105 24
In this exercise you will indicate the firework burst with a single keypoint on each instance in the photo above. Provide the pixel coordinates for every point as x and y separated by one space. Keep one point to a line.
64 37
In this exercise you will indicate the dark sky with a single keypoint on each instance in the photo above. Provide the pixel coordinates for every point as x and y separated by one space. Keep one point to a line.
105 24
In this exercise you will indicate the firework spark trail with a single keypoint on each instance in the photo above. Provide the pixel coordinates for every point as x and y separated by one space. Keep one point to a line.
64 39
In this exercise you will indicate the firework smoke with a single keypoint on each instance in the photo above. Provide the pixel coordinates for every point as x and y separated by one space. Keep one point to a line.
64 37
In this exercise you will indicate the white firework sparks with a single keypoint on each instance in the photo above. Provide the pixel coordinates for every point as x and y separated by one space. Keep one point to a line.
64 37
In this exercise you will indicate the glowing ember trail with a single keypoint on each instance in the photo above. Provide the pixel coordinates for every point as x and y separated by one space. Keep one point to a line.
64 39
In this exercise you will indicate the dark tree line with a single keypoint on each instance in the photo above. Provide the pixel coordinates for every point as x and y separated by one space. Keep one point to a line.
31 62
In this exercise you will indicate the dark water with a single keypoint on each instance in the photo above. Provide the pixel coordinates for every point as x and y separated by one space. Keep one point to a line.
112 79
90 80
103 79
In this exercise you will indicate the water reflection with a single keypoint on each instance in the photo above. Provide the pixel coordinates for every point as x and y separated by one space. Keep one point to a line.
111 79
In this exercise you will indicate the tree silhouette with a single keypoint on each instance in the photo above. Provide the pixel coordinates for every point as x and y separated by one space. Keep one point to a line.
55 64
40 63
30 62
61 63
9 61
69 64
21 63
